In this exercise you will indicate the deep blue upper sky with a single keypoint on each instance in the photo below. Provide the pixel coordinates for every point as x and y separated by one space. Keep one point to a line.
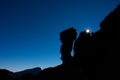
29 29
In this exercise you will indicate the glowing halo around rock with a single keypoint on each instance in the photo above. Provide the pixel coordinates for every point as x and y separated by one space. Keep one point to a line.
87 30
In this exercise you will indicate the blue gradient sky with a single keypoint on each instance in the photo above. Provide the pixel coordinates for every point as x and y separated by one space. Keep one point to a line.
29 29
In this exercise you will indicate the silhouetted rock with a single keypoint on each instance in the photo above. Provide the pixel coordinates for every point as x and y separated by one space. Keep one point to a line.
82 52
105 44
67 37
7 75
33 71
28 74
82 46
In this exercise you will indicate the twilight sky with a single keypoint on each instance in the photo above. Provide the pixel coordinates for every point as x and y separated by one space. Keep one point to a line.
29 29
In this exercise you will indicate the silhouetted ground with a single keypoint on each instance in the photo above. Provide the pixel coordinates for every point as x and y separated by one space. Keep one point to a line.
94 55
28 74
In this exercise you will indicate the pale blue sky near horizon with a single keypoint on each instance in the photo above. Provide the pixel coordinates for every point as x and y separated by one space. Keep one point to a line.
29 29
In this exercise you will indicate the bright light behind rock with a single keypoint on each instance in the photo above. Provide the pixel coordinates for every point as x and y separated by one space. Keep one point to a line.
87 31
